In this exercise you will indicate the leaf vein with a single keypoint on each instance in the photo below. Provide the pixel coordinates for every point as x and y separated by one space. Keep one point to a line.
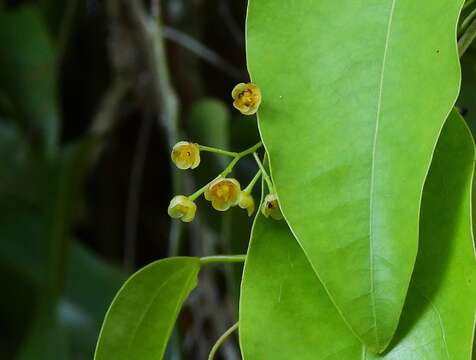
372 177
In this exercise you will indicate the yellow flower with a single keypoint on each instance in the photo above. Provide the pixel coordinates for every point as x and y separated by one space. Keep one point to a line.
247 202
271 208
186 155
247 98
223 193
181 207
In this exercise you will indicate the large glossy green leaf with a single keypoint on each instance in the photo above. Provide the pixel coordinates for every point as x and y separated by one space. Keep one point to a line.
355 94
286 313
141 318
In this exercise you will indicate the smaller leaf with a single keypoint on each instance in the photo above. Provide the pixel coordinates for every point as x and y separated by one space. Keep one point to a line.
141 317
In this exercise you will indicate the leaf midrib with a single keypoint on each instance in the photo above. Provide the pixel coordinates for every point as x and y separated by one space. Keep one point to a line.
372 174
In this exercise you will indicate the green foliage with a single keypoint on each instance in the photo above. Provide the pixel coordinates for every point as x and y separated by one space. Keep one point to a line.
38 199
375 257
285 312
28 74
141 317
350 130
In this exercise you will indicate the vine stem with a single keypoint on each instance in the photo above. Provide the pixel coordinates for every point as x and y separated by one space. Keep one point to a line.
217 151
222 259
221 340
66 26
227 170
252 183
265 174
467 38
468 3
467 21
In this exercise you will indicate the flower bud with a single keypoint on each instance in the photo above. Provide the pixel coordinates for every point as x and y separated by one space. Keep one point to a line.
270 207
247 202
181 207
186 155
223 193
247 98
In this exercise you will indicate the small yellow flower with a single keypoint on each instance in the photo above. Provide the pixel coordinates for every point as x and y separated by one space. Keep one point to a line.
181 207
247 98
223 193
247 202
271 207
186 155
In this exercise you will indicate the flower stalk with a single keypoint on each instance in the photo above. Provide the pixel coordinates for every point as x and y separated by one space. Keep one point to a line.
265 174
227 170
222 259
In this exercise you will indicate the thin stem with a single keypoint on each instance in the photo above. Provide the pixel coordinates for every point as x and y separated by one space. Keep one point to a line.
467 21
467 38
66 26
133 198
469 2
222 259
252 183
265 174
221 340
201 51
250 150
217 151
227 170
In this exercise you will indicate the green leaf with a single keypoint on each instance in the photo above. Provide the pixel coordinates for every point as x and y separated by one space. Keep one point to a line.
354 97
141 318
285 312
28 73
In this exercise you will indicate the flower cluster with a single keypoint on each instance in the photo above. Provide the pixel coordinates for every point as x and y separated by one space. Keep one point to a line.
224 192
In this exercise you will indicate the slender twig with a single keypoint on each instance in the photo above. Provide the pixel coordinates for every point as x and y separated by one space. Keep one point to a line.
66 27
105 118
150 31
467 21
265 174
222 259
202 52
467 3
103 121
227 170
222 339
231 23
133 199
467 38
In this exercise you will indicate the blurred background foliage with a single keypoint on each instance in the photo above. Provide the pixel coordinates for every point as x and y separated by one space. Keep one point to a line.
93 94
